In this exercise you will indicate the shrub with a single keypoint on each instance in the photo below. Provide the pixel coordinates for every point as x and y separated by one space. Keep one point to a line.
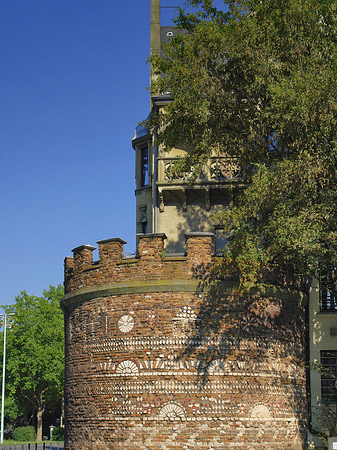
24 434
58 434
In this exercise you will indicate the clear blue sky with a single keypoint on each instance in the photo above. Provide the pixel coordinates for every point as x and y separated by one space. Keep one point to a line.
73 84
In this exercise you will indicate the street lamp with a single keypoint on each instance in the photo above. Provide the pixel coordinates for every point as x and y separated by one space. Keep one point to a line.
3 376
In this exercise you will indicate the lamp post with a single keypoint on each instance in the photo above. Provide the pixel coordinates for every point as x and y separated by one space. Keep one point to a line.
3 377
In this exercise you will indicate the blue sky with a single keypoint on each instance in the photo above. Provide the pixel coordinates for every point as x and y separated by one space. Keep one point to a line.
73 84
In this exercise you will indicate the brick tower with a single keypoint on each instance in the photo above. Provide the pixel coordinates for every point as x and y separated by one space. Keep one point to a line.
160 354
162 351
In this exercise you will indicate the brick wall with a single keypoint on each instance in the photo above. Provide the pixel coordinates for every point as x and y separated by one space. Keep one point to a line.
159 358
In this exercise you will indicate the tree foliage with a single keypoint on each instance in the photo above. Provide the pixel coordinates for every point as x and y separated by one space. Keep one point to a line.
257 81
35 355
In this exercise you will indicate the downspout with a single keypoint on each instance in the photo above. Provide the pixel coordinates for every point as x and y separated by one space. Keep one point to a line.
155 176
155 50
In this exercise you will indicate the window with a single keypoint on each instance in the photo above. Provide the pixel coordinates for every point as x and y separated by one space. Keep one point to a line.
144 166
144 227
328 295
143 219
220 242
328 375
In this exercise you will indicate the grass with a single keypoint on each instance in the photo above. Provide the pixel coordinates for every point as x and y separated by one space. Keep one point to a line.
12 442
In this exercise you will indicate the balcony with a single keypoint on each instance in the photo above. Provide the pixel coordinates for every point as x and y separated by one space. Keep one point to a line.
218 170
328 294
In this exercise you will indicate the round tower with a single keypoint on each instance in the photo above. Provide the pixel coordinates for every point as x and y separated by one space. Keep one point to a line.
163 354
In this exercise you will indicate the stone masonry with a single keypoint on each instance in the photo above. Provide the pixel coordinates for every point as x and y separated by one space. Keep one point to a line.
161 355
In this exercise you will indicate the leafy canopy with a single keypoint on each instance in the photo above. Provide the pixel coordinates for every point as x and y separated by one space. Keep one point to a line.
257 81
35 351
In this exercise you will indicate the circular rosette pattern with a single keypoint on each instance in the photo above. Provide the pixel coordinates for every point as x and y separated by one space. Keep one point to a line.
217 367
127 368
260 411
126 323
172 411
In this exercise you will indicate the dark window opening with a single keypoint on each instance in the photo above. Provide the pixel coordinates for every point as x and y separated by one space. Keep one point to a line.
328 295
220 242
144 227
328 371
144 164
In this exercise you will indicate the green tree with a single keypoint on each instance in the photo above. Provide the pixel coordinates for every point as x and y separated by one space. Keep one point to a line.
257 81
35 355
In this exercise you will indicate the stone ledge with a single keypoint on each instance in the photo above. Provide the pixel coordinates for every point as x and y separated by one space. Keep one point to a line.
107 241
132 287
174 258
91 267
192 285
128 261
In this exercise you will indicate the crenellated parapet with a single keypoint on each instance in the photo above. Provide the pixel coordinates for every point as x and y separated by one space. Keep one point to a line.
151 262
161 354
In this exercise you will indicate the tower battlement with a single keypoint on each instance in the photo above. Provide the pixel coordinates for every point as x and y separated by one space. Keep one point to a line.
151 262
152 348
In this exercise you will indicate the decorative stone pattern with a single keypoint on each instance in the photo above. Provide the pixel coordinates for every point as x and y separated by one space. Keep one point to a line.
126 323
155 361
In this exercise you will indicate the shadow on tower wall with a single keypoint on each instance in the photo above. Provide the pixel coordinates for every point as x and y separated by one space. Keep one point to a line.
261 332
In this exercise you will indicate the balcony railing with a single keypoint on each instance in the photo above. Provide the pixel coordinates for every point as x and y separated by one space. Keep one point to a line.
328 293
224 169
218 169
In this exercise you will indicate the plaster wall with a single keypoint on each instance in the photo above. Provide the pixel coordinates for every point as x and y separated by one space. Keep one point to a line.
320 324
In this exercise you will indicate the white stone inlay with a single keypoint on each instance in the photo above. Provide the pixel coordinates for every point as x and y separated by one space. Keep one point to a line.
260 412
126 323
218 367
172 411
127 368
186 313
